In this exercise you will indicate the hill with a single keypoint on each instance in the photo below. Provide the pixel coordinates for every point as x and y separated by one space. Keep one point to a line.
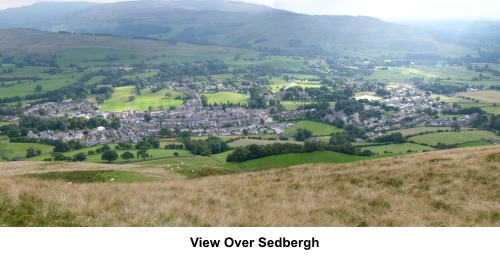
444 188
239 25
19 40
31 16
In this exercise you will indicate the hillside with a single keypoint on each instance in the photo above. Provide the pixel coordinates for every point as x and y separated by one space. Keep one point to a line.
31 16
36 41
239 25
445 188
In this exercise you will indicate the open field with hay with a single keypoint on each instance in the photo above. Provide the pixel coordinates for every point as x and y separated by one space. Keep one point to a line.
454 137
489 96
445 188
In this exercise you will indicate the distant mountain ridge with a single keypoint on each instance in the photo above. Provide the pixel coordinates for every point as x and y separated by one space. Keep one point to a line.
228 23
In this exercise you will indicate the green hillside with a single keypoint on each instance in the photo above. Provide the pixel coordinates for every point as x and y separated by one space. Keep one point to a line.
229 25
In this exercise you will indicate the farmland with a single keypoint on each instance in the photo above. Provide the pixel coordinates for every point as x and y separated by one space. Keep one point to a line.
294 105
487 96
245 142
300 158
397 148
454 137
413 131
96 158
120 100
318 129
225 97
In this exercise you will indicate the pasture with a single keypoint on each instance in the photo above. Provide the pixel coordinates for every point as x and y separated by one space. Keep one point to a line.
397 148
49 83
454 137
225 97
490 96
94 57
96 158
492 110
245 142
300 158
120 100
14 149
318 129
473 144
95 80
294 105
413 131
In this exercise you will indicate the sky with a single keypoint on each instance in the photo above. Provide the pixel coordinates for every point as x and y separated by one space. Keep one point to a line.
384 9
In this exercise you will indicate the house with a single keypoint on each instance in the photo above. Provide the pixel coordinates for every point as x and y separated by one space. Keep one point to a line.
103 140
31 135
90 143
313 140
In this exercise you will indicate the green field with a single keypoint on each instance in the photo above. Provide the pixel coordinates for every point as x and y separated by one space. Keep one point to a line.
221 156
225 97
14 149
413 131
454 137
95 79
292 106
120 100
49 83
96 158
97 56
318 129
397 148
245 142
300 158
492 110
487 96
473 144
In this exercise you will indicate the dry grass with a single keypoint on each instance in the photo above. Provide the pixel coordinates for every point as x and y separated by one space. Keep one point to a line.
20 168
459 187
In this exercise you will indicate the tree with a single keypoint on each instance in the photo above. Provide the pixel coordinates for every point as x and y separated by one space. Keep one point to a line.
176 153
165 132
100 99
455 127
38 88
109 155
147 117
58 156
131 98
142 153
13 133
245 132
61 147
105 148
79 157
168 95
30 152
127 156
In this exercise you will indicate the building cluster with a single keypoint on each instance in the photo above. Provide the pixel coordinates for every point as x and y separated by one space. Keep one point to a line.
59 109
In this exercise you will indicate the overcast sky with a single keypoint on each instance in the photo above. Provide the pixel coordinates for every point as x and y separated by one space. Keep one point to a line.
384 9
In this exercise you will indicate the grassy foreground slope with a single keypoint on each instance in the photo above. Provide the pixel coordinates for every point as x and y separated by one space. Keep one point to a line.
459 187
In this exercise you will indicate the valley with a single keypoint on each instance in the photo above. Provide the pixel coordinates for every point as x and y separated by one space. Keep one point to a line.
218 109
